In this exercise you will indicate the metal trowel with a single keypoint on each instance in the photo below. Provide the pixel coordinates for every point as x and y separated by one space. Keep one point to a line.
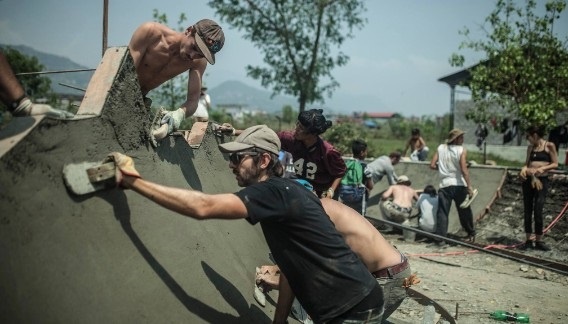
87 177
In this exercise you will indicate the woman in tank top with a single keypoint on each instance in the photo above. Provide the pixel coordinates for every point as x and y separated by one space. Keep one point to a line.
541 158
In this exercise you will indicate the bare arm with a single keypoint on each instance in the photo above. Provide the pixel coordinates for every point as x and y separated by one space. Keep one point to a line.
369 184
433 163
285 299
194 87
465 170
335 184
10 88
141 39
190 203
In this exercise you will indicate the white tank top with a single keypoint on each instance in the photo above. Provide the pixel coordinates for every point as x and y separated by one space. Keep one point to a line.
449 165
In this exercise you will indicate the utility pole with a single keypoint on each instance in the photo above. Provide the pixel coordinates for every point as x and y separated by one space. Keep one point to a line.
105 26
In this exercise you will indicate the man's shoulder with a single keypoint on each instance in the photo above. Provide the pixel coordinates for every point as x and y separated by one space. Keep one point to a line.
153 27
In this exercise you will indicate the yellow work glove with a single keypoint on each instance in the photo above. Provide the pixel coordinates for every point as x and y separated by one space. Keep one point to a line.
124 166
536 183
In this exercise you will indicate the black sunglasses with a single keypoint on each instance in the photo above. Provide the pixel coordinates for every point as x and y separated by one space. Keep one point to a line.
237 157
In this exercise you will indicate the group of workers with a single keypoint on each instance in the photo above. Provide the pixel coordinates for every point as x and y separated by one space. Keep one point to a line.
329 257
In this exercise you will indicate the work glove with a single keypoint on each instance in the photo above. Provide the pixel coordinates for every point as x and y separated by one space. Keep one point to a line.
124 166
27 108
523 173
173 119
328 193
536 183
227 128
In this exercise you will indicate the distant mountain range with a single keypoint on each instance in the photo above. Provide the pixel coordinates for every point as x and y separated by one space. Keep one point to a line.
228 93
58 63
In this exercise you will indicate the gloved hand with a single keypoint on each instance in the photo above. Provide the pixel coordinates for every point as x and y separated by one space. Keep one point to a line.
536 183
523 173
227 128
124 166
328 193
27 108
173 119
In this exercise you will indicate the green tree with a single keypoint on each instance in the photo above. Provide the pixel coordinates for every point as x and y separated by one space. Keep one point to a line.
36 86
526 67
299 40
288 114
342 136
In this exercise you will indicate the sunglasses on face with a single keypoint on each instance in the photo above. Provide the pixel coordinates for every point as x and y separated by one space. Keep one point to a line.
237 158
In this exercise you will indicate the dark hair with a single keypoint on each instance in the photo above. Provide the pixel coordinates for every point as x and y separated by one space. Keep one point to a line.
534 129
415 131
429 189
395 154
314 121
275 167
357 147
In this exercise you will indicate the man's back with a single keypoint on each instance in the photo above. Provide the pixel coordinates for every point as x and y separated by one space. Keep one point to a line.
402 195
363 238
302 240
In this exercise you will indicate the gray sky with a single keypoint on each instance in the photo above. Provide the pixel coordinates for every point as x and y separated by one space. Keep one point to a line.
395 60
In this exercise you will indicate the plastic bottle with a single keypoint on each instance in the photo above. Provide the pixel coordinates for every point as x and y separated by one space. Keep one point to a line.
511 317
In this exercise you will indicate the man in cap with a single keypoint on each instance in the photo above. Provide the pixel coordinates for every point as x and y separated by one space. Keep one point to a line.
397 200
450 159
313 257
161 53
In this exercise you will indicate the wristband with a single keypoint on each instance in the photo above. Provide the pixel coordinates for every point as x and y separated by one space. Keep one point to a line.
17 102
330 192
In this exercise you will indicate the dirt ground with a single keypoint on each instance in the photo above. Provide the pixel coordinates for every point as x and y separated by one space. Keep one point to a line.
478 282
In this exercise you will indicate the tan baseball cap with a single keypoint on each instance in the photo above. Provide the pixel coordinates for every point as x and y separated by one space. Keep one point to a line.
210 38
259 136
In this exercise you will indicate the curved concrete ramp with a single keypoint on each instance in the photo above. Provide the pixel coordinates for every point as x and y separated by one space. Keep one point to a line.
114 256
487 179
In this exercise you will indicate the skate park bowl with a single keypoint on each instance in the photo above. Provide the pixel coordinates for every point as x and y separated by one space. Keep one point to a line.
113 255
487 179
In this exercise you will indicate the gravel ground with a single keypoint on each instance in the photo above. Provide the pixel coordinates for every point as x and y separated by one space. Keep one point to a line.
478 282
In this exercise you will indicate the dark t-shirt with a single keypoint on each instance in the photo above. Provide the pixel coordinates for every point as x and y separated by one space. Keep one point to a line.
310 163
325 275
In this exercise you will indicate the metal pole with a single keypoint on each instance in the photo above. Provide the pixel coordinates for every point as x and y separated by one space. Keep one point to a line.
484 152
471 246
105 26
53 72
452 105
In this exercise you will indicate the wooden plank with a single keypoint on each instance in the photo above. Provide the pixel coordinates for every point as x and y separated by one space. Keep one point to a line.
101 82
16 130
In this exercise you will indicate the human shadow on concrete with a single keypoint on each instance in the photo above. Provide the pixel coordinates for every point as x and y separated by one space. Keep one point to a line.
177 151
247 314
118 200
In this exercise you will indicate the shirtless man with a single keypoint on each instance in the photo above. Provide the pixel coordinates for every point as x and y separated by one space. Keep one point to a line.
398 200
417 145
380 257
161 53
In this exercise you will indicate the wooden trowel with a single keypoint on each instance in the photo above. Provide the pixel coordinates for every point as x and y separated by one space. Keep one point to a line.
87 177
